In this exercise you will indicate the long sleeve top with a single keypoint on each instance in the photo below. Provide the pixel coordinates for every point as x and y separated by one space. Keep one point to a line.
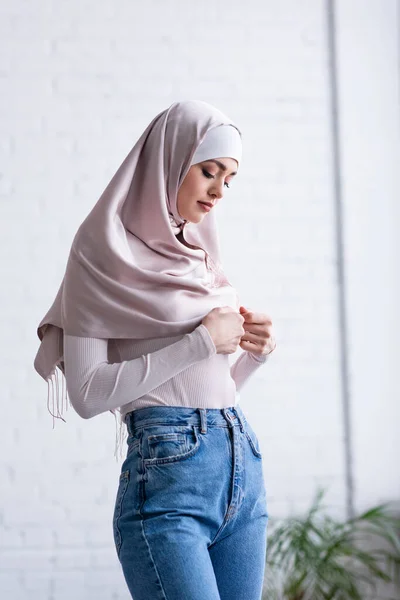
126 374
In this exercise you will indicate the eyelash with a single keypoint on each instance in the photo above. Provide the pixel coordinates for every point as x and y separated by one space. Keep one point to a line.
209 176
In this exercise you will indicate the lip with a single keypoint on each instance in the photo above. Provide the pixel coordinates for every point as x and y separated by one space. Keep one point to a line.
206 207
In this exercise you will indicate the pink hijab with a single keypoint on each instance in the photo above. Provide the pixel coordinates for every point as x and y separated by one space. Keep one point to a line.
127 274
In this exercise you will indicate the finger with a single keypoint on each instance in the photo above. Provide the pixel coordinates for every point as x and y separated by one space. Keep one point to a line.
257 318
262 330
250 347
244 309
251 337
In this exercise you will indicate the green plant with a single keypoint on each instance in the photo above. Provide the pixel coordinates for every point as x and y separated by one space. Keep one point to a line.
320 558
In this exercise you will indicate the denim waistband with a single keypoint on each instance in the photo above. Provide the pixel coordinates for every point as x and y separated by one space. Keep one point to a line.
182 415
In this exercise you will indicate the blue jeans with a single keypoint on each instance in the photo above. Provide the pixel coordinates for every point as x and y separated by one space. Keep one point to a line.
190 518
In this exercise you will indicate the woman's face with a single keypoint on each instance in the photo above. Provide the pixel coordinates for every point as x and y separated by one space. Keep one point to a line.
204 182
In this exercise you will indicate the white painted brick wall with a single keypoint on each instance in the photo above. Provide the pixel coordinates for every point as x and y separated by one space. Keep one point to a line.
79 83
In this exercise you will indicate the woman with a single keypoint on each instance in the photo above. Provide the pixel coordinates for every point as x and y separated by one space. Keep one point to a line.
143 325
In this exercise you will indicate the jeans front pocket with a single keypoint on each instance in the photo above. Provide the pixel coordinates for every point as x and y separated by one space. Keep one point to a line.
164 445
122 487
253 440
167 444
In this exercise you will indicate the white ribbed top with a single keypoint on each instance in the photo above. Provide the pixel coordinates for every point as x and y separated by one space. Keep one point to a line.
184 370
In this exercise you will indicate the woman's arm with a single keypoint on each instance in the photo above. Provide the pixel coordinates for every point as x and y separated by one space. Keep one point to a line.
95 386
245 365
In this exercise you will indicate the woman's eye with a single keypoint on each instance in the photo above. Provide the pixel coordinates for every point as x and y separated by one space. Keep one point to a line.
207 174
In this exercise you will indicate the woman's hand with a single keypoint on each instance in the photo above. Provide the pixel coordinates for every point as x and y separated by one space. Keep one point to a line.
258 338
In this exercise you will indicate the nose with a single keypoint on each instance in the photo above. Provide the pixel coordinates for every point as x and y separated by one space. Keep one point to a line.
217 191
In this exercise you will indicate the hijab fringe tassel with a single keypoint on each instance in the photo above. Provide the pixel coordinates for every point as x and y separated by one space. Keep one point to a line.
57 395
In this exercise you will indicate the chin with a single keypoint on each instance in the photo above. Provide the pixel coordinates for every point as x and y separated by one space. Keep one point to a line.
195 218
198 220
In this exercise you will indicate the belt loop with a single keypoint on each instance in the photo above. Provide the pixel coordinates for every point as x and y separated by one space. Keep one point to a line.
239 419
203 420
228 417
128 419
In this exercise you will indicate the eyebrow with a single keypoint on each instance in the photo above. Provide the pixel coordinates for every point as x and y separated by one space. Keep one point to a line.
221 165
